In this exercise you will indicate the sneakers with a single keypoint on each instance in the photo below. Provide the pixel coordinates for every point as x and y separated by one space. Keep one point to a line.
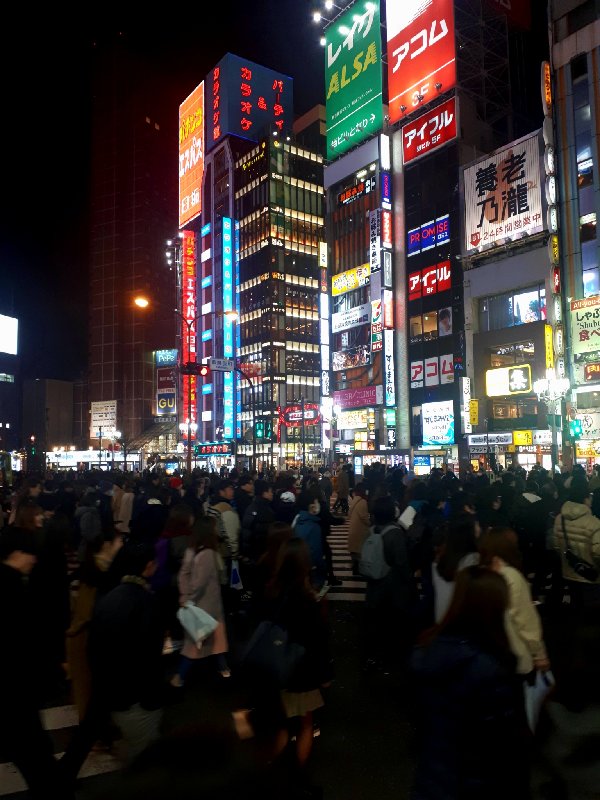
176 682
225 673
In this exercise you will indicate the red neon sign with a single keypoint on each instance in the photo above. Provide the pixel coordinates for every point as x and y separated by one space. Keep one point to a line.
429 131
188 324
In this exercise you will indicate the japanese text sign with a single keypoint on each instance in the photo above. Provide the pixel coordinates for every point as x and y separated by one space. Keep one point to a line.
245 99
353 79
438 423
191 155
502 195
350 279
508 380
421 53
429 131
436 278
585 327
430 234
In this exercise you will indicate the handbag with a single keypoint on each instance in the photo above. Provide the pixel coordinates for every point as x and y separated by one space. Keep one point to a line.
579 565
235 581
535 695
196 622
271 654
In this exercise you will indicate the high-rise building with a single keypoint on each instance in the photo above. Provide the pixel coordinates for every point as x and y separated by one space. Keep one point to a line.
132 214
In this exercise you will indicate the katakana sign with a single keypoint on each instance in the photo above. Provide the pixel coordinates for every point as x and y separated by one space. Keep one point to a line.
503 196
353 79
585 327
429 131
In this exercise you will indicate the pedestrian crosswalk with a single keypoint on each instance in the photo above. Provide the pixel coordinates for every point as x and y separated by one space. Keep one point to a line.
353 587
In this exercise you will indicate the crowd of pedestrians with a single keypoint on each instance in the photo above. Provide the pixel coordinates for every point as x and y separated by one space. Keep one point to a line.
478 601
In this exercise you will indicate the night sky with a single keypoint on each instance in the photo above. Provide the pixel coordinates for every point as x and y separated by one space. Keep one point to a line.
46 102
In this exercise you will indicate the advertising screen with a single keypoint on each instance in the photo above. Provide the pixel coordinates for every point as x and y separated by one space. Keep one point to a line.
191 155
438 423
247 100
353 78
420 53
9 334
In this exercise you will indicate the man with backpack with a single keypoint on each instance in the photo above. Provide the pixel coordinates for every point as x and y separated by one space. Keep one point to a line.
390 598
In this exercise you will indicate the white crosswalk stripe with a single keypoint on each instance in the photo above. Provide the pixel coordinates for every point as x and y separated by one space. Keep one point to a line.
353 587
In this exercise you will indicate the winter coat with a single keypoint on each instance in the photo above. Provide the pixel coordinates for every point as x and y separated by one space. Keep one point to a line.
583 532
302 616
125 647
229 548
199 583
523 623
307 527
468 714
343 485
397 589
359 523
255 526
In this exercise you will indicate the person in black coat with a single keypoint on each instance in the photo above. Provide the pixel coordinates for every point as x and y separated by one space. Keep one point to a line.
23 739
125 651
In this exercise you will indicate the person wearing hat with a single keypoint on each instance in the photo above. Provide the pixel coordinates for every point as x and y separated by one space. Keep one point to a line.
23 739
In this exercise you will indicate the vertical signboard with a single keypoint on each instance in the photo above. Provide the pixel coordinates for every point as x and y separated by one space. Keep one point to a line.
353 79
375 240
188 323
390 373
228 350
421 53
191 155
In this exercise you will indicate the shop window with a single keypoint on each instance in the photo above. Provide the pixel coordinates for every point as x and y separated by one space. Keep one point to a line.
591 282
416 329
587 227
430 326
585 173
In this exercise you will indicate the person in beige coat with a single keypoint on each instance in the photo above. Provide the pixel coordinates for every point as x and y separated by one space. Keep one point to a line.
583 535
359 524
199 582
499 550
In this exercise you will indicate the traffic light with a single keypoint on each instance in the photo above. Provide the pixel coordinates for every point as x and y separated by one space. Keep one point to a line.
575 428
32 445
260 429
204 370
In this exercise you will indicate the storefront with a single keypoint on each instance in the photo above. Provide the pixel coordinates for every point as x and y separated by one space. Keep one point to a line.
519 448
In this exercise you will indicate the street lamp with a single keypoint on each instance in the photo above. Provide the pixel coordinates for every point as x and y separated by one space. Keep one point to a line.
190 368
551 390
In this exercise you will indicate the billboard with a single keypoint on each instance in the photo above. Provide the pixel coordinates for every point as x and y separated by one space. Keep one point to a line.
433 279
421 53
433 233
353 79
505 381
503 195
352 318
349 359
359 398
429 131
188 325
350 279
191 155
103 422
247 100
585 327
9 335
438 423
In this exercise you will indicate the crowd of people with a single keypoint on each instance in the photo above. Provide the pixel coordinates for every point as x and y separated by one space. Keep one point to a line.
477 580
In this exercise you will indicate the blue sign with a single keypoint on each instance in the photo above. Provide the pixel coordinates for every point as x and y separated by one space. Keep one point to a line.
165 404
427 236
413 242
422 461
442 230
166 358
430 234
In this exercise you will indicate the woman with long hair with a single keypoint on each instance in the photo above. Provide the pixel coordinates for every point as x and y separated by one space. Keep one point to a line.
199 582
499 550
466 707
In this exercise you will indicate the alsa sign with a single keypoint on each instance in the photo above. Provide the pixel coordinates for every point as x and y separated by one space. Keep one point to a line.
429 131
421 53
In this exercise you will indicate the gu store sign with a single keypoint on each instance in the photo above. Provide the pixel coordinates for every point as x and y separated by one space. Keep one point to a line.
503 195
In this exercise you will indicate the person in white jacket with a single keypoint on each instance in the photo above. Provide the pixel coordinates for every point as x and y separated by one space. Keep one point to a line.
499 550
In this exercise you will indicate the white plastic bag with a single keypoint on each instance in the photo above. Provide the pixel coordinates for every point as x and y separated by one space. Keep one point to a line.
535 694
197 622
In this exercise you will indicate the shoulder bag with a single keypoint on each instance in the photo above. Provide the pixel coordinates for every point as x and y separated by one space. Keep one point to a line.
579 565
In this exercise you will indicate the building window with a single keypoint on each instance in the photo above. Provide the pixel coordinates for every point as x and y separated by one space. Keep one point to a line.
4 378
591 282
508 310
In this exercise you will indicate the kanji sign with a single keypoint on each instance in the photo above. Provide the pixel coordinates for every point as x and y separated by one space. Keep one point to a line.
421 53
502 195
429 131
191 155
508 380
585 327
